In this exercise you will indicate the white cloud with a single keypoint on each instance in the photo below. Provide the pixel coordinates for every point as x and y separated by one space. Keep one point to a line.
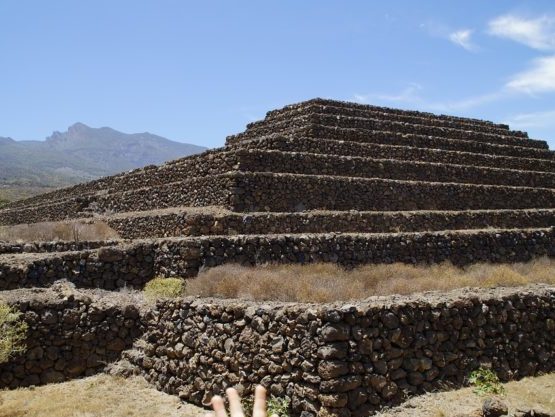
538 33
407 95
462 38
412 95
538 120
540 78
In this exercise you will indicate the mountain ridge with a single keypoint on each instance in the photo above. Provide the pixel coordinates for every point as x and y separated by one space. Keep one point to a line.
82 153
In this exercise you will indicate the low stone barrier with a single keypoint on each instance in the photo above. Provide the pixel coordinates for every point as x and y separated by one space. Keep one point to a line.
399 152
356 166
399 139
295 192
54 246
337 109
176 223
69 335
345 106
377 124
135 264
108 268
339 359
346 359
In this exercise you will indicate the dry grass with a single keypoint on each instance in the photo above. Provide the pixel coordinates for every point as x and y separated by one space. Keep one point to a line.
98 396
164 288
12 332
329 282
108 396
536 393
50 231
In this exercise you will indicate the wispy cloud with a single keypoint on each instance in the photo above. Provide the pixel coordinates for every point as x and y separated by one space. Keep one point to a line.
537 33
538 120
540 78
463 38
412 95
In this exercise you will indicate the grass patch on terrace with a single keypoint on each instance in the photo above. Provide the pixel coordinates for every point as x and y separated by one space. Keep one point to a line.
73 231
164 288
329 282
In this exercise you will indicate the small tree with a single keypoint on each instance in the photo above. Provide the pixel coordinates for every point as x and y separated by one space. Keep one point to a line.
12 332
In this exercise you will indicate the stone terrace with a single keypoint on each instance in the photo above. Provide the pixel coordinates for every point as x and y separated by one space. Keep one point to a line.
322 167
318 181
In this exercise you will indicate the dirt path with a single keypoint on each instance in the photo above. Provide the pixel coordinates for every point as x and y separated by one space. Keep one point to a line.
97 396
528 393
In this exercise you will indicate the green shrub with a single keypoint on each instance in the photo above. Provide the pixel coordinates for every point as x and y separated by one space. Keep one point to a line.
485 381
278 406
12 332
164 288
274 405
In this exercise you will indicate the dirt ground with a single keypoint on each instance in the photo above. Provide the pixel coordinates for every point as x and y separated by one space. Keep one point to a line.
529 393
109 396
97 396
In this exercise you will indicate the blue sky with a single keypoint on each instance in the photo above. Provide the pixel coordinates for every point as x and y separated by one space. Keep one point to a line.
198 71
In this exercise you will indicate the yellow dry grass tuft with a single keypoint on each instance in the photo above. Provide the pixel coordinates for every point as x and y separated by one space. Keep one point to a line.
164 288
51 231
97 396
329 282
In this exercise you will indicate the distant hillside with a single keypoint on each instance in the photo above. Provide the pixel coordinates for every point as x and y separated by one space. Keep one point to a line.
80 154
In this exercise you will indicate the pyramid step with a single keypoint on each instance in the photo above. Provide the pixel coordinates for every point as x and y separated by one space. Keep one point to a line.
200 191
296 192
354 166
402 139
208 163
366 124
378 113
144 260
387 110
253 160
84 269
190 222
407 153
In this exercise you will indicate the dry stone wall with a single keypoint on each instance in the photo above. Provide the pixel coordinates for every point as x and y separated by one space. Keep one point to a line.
328 359
400 139
55 246
192 223
109 268
135 264
376 124
69 335
399 152
344 106
356 166
294 192
346 360
352 110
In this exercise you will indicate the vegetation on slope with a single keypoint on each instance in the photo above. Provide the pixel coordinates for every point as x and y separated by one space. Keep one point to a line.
329 282
81 154
164 288
12 332
50 231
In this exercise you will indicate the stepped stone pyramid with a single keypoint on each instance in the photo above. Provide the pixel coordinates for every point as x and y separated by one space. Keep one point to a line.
472 188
